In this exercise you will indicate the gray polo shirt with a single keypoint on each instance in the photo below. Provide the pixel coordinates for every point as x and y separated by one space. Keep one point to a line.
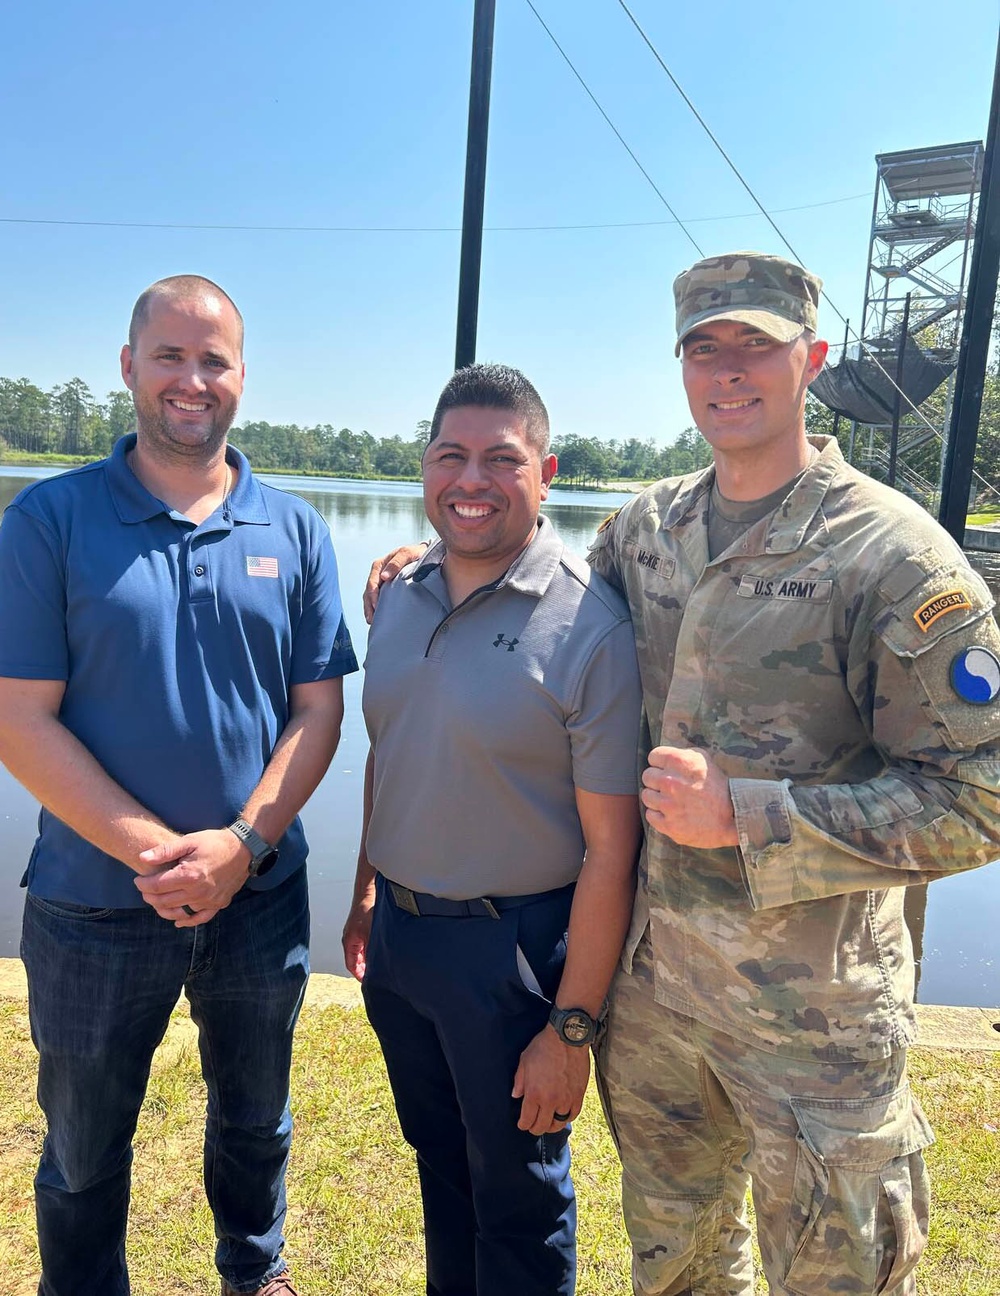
484 718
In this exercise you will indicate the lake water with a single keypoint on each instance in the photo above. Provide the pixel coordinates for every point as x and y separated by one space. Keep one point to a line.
957 937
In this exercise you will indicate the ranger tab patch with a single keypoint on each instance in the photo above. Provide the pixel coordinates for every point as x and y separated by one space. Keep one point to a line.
975 676
940 605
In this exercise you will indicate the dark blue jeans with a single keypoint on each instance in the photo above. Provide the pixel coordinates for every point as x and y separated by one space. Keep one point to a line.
101 986
450 1008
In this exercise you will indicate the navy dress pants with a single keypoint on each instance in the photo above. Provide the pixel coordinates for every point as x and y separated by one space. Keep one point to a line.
448 999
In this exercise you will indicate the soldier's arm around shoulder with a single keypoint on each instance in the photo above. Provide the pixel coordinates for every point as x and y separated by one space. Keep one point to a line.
923 669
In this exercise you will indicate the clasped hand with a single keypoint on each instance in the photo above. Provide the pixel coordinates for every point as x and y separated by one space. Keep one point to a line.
201 870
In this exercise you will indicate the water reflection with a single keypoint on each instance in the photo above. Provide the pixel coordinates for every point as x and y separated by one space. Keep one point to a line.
382 510
956 932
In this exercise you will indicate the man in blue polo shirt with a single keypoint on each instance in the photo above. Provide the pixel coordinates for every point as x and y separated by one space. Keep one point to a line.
171 654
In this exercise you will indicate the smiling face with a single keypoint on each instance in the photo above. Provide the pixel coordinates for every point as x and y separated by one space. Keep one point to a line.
483 484
185 373
746 390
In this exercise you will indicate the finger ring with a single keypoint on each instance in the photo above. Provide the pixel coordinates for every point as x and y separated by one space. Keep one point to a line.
560 1116
191 913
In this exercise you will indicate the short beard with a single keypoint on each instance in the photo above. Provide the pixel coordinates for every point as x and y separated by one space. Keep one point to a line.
160 440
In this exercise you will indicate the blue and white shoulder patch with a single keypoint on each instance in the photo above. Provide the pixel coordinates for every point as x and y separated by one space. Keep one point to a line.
975 676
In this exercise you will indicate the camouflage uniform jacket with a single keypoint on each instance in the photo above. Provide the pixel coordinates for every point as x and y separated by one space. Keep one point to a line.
813 661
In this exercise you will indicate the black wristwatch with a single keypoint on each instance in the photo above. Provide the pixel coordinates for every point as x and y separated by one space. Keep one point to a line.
263 856
574 1026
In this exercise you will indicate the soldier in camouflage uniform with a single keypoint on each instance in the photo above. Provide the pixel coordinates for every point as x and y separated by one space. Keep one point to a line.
821 674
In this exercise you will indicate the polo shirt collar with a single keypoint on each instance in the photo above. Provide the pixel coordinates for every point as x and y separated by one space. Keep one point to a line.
246 502
529 573
534 567
131 499
134 503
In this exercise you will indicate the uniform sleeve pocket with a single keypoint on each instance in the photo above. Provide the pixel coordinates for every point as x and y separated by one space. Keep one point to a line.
860 1197
943 632
946 599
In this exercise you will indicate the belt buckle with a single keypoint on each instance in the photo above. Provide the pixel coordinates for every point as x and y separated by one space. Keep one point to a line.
490 907
404 898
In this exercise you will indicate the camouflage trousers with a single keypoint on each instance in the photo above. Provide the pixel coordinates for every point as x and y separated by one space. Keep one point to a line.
831 1151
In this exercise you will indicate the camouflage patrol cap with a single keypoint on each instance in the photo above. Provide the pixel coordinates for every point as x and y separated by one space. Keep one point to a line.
772 294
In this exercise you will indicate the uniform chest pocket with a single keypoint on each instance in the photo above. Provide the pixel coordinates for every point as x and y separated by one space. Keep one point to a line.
781 622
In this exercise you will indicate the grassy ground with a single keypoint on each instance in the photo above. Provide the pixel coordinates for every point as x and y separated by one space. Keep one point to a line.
20 458
354 1219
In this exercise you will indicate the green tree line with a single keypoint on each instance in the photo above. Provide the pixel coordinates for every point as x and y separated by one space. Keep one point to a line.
585 460
70 421
67 420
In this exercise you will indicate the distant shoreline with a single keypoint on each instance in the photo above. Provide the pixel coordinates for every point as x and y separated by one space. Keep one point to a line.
18 460
624 485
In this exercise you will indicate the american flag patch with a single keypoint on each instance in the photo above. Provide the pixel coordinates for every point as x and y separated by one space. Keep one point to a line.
262 566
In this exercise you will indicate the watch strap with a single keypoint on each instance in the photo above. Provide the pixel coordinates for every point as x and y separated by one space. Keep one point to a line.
261 851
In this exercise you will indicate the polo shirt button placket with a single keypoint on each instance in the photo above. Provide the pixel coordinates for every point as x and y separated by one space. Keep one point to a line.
199 576
435 649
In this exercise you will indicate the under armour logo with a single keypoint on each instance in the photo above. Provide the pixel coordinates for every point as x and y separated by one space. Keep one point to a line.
509 644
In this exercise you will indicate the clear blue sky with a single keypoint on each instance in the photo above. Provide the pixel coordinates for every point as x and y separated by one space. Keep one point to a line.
337 113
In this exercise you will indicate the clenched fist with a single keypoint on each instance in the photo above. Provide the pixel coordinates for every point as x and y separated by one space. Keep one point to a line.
687 798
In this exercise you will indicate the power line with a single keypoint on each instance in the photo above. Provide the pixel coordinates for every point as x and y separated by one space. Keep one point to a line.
617 132
704 125
736 171
410 229
777 211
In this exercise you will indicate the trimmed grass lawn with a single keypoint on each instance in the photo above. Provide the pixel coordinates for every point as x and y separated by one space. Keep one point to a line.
354 1218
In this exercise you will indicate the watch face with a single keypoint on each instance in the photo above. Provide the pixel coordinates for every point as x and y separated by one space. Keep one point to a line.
261 865
577 1028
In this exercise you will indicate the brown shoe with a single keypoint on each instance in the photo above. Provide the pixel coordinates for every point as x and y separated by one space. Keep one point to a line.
279 1285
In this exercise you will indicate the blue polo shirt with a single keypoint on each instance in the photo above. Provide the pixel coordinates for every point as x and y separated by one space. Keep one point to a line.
178 644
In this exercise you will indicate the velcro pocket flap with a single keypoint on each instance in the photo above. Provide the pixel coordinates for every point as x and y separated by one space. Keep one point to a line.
949 598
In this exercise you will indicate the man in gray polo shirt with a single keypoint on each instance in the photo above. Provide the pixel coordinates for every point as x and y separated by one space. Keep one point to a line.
502 702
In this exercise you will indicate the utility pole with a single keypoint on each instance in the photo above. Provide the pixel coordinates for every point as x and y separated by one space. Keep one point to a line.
970 377
475 183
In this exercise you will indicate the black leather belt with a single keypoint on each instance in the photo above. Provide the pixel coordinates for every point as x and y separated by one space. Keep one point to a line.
421 905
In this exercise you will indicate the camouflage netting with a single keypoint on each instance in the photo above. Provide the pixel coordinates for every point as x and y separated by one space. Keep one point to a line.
859 390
